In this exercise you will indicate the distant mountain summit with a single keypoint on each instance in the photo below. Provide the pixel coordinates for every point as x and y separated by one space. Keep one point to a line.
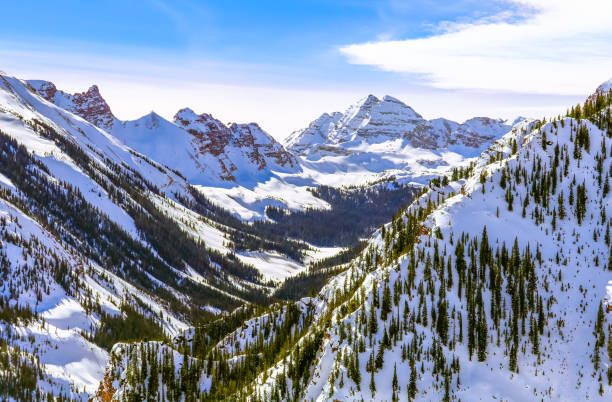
89 104
239 148
373 121
200 147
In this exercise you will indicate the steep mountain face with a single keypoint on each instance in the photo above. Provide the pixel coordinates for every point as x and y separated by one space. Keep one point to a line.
374 121
89 105
239 148
201 148
494 284
315 134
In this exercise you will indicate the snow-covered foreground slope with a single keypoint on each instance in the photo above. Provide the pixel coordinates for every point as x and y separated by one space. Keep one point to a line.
494 284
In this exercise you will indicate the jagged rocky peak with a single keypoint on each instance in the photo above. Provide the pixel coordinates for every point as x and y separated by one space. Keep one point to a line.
260 147
90 105
190 120
373 120
373 117
44 88
211 136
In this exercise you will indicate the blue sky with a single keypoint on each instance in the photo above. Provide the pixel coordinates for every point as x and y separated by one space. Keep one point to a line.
283 63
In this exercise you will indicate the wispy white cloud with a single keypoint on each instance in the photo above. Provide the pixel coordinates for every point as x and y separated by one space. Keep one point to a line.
540 46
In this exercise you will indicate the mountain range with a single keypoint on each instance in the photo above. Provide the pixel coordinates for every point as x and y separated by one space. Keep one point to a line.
202 148
243 167
376 121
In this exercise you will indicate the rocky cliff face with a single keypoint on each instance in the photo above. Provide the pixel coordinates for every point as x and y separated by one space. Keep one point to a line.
89 104
237 146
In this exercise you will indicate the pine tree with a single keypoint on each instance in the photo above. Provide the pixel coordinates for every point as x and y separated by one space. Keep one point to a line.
442 322
386 302
412 385
395 382
373 327
372 383
482 335
513 358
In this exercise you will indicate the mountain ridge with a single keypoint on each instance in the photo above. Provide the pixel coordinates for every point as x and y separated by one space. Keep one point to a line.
202 148
388 119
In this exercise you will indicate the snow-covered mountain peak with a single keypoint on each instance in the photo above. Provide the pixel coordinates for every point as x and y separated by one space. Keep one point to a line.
151 120
368 100
190 120
517 120
486 126
374 118
186 115
391 99
90 105
372 121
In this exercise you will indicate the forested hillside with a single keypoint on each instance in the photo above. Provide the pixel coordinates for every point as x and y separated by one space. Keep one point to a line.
493 282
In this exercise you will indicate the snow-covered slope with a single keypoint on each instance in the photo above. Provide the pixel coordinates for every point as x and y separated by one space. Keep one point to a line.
493 285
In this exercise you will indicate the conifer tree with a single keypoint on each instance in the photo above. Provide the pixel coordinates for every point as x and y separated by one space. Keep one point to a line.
412 385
